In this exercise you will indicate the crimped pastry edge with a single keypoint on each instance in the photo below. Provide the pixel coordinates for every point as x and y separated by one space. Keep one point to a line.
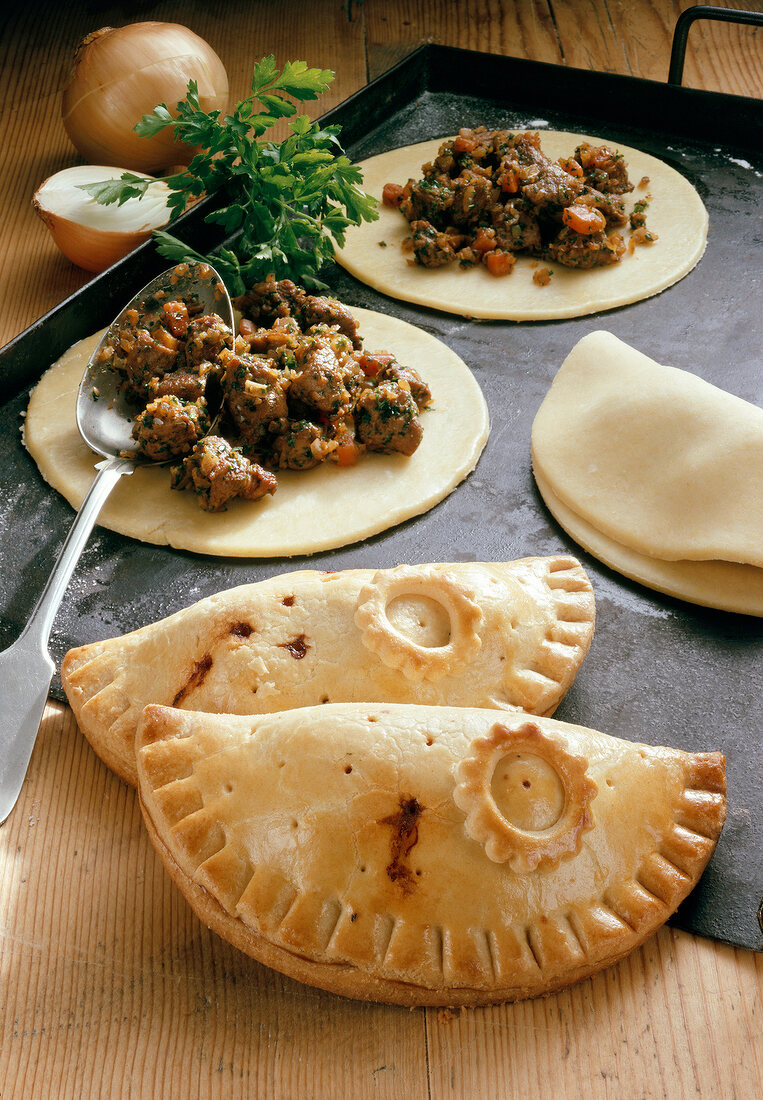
349 981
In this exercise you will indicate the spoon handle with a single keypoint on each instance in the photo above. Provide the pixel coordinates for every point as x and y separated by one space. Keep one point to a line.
26 668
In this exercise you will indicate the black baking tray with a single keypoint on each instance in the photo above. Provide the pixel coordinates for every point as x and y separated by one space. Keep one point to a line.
660 670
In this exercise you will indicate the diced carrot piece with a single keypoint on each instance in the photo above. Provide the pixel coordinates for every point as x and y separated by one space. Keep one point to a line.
583 219
484 241
601 157
346 453
571 166
510 182
372 364
176 317
499 263
165 338
392 194
464 145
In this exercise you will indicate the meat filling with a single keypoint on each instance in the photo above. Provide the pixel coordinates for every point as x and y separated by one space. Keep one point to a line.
489 194
320 397
169 427
266 302
295 388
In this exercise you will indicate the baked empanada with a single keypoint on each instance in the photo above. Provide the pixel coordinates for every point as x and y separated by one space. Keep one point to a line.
425 855
507 635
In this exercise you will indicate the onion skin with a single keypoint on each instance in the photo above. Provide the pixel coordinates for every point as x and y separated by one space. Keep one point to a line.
122 74
91 249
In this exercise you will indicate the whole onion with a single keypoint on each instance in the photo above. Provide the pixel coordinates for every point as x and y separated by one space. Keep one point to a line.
122 74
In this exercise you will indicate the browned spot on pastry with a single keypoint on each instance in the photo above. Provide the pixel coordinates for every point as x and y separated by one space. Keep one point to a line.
298 647
288 601
405 825
241 630
196 679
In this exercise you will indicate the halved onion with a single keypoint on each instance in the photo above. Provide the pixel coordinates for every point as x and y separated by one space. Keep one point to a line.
121 74
93 236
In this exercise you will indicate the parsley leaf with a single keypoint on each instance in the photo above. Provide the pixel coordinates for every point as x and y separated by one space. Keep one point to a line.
126 187
288 201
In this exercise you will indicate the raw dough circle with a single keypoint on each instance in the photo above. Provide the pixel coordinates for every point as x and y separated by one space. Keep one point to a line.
311 511
675 213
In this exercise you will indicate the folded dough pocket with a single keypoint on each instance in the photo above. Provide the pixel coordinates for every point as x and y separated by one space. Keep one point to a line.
425 855
510 635
656 472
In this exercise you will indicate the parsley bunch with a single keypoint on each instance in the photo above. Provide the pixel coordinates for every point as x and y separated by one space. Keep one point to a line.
287 200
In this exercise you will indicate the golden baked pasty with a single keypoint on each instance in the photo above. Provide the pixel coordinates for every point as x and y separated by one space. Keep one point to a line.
508 635
425 855
656 472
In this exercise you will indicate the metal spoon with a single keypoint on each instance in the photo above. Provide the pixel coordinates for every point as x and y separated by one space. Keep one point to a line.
26 669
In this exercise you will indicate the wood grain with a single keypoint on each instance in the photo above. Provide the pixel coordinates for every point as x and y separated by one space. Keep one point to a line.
615 36
109 986
521 29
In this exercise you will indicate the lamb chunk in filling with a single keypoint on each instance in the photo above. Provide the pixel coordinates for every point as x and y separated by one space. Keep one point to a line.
595 250
301 446
217 473
255 394
206 337
603 168
142 355
387 419
270 301
321 381
187 384
407 376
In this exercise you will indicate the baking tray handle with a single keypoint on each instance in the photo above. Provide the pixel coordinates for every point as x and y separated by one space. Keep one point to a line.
702 11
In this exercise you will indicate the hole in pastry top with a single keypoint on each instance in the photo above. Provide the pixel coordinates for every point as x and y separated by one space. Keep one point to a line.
528 792
421 619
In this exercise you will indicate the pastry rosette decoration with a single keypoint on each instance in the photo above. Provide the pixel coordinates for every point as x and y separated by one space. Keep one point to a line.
549 793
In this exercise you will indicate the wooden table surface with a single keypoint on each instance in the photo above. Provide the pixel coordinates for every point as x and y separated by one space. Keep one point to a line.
109 985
